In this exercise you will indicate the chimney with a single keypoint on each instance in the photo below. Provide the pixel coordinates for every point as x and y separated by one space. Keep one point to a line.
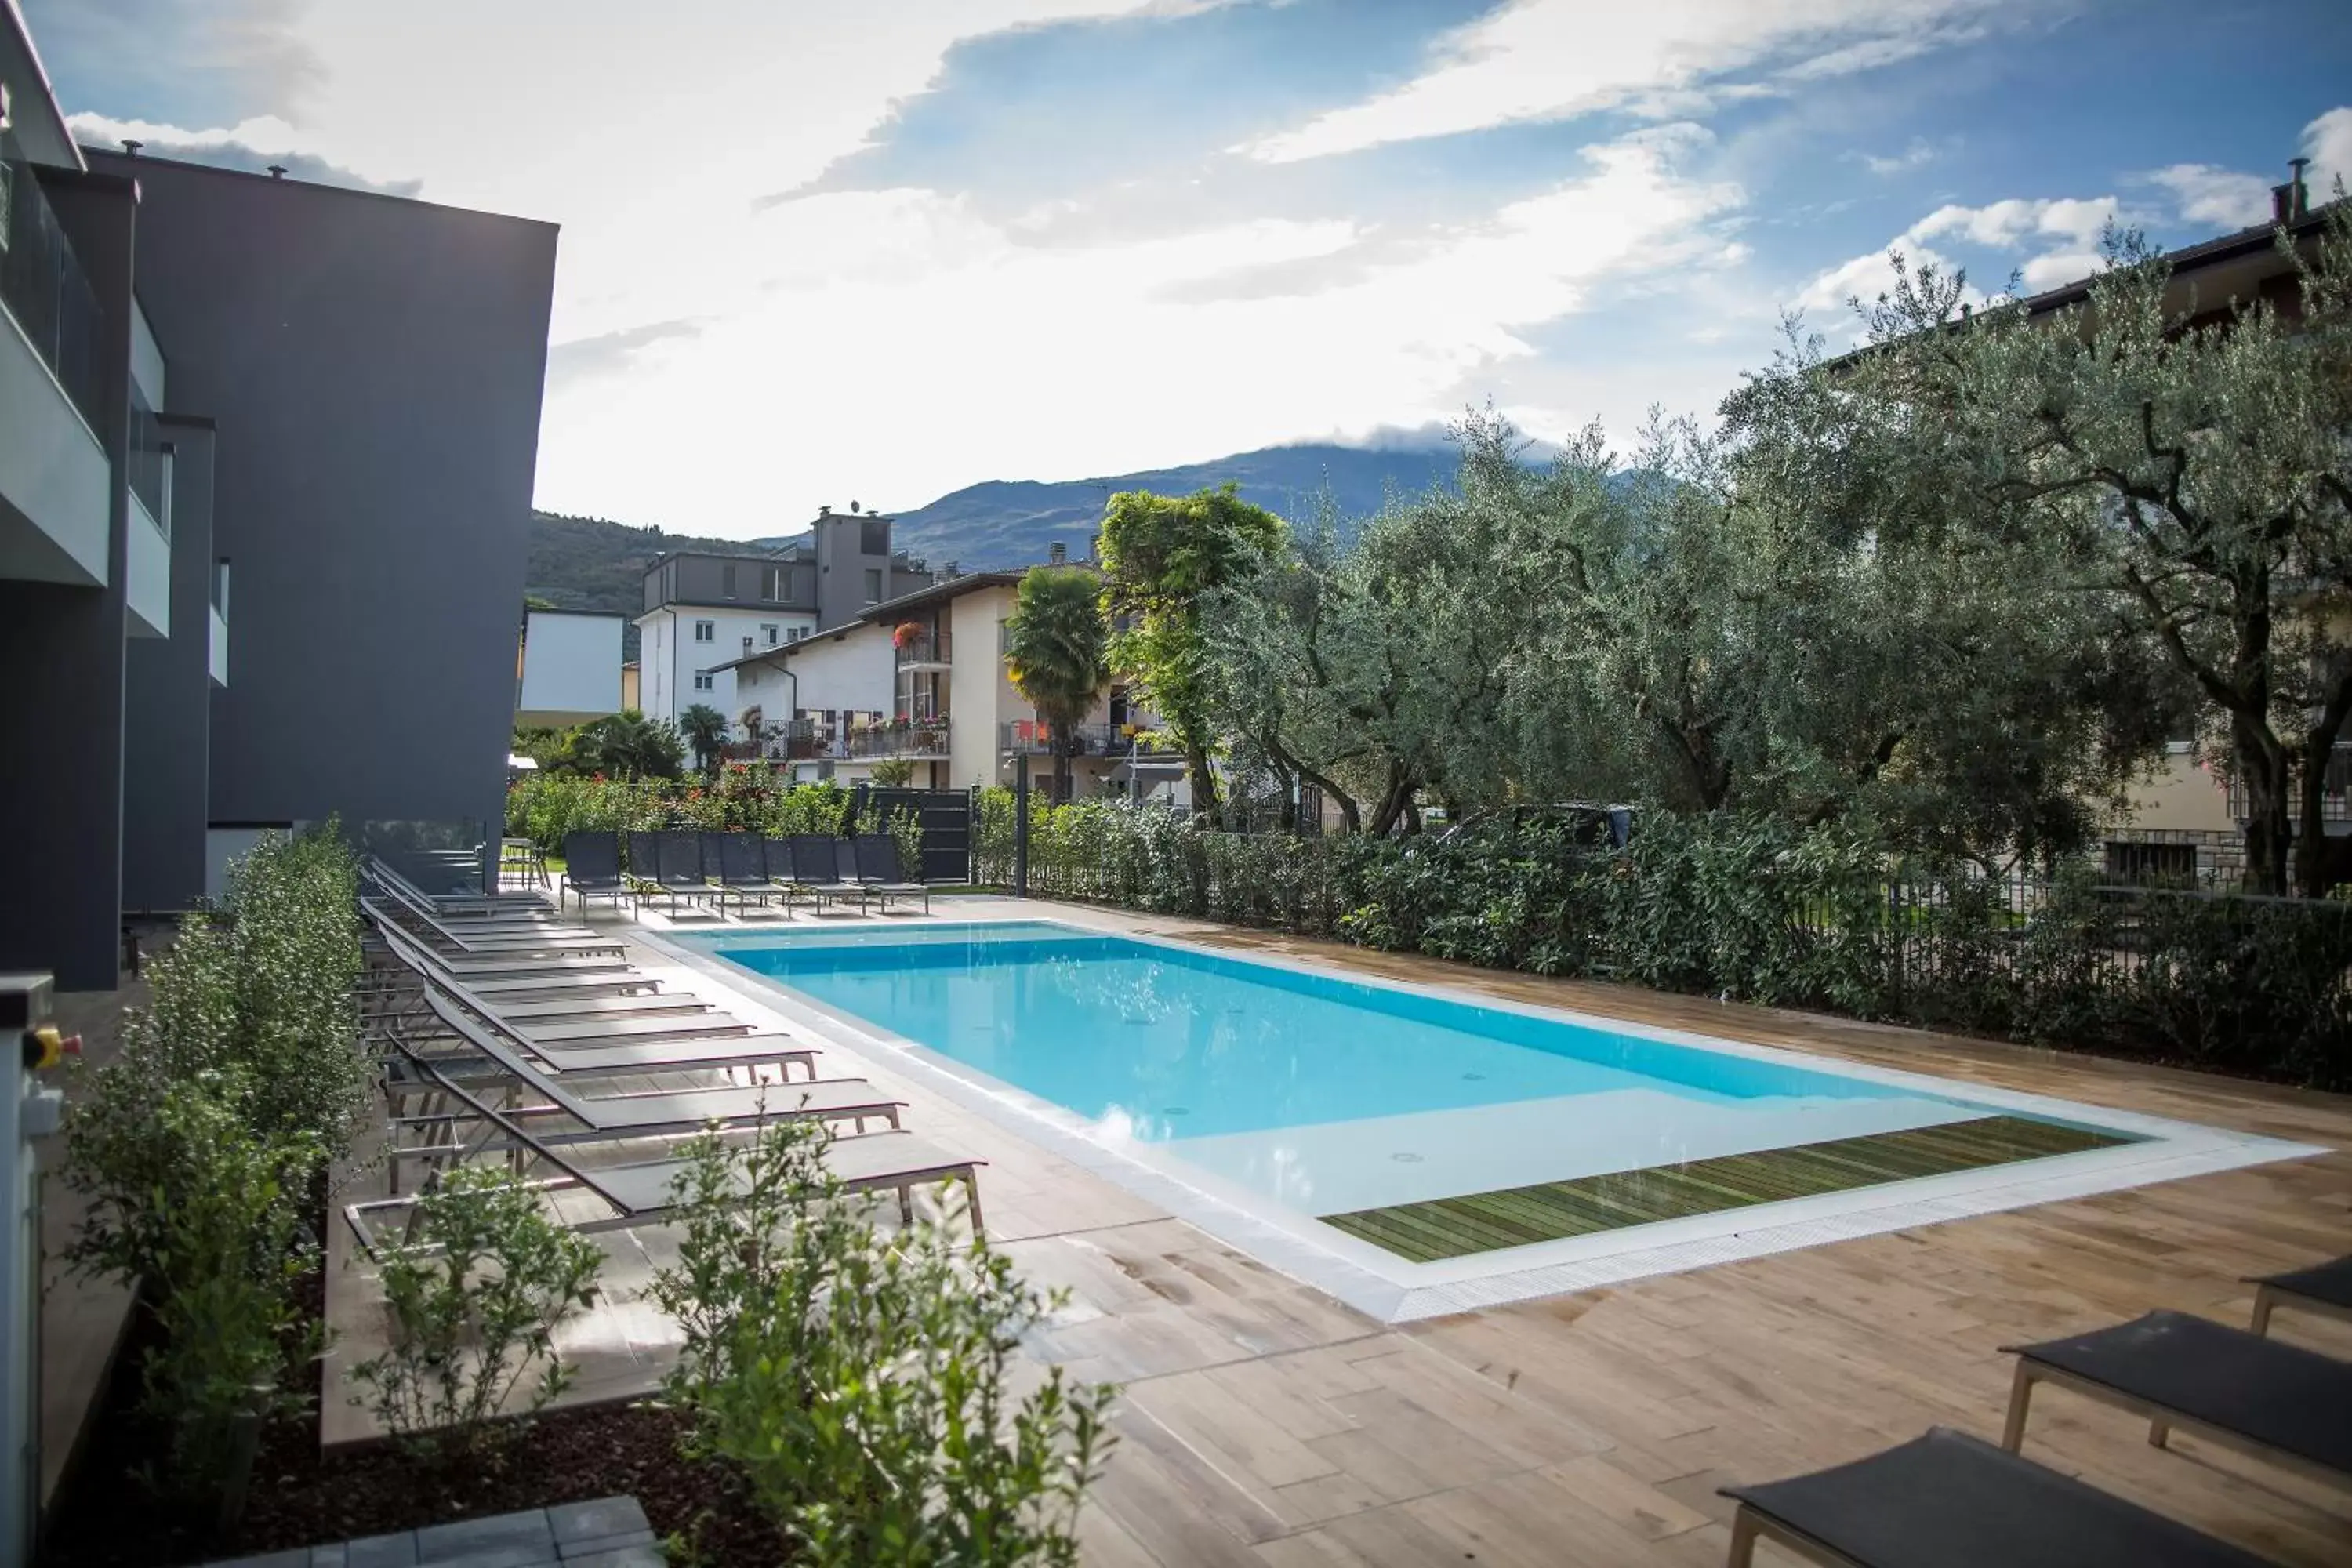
277 171
2291 201
130 147
949 570
1056 553
825 511
853 507
2302 192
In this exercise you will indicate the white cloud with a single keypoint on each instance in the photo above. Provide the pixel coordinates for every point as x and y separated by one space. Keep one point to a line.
985 355
2006 224
2060 268
1550 59
2208 193
2327 142
1911 157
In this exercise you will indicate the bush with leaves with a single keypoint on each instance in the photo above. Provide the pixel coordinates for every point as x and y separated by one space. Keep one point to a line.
864 1381
473 1299
225 1252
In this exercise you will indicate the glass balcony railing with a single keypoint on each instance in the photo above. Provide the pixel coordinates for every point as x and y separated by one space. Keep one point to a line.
44 290
923 648
150 464
1080 741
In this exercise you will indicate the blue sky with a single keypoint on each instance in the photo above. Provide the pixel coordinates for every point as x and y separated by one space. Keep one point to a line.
881 251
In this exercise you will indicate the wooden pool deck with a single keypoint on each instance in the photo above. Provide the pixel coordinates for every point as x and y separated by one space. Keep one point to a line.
1265 1425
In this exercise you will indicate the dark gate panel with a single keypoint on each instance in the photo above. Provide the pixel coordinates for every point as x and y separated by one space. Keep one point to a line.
946 816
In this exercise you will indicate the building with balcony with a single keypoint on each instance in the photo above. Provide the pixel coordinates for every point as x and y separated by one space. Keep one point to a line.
921 679
329 398
704 613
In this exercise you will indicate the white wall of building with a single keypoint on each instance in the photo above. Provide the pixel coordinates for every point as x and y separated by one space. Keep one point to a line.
680 641
571 668
979 695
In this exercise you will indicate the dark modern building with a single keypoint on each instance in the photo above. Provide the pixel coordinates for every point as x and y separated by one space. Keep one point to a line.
328 397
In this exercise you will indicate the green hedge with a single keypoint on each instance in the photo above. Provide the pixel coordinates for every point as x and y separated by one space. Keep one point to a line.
1755 910
545 807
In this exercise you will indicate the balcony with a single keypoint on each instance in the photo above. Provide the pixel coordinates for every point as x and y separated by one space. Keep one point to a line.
1027 735
54 472
925 649
806 741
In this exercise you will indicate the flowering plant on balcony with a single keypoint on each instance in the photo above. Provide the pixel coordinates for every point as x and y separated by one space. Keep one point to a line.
903 635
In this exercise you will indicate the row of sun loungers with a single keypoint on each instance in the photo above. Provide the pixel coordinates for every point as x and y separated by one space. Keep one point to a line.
501 1033
1947 1499
744 868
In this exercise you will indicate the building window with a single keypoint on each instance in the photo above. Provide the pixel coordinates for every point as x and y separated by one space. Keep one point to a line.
874 585
771 584
706 631
772 632
727 579
799 632
703 680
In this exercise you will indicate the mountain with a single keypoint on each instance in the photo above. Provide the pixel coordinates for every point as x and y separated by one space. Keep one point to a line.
1006 524
591 563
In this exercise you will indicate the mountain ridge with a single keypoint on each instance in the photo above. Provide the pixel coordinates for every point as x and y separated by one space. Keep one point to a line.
595 564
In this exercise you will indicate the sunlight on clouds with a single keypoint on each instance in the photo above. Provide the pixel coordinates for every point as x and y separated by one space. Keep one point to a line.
1007 359
2207 193
1550 59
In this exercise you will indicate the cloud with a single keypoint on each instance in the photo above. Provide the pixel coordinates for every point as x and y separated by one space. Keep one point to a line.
201 62
1553 59
1918 154
252 146
2208 193
581 358
2328 143
2006 224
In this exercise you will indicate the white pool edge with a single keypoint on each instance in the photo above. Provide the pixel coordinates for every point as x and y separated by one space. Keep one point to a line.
1394 1290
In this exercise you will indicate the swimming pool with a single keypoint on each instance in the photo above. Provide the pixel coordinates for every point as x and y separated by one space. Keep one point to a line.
1429 1137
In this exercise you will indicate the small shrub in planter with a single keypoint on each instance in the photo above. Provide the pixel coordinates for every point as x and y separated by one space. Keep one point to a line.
473 1303
865 1381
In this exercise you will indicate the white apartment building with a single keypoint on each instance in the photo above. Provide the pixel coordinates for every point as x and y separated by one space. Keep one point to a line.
921 679
703 614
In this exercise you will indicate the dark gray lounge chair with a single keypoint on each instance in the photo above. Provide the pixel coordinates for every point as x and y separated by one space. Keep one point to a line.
2323 1288
679 872
743 872
645 862
1950 1500
2290 1405
817 866
882 875
593 868
646 1193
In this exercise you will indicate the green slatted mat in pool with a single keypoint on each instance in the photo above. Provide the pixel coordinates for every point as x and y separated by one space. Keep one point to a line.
1553 1211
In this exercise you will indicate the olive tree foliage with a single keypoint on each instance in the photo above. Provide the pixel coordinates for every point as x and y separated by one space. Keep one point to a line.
1699 623
2193 467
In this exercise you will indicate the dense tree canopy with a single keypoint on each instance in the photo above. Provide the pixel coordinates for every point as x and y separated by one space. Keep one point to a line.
1056 653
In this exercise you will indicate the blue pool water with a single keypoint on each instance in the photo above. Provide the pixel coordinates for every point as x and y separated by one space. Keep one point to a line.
1317 1090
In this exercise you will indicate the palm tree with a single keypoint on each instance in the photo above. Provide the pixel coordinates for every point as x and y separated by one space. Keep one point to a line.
625 744
1057 653
704 728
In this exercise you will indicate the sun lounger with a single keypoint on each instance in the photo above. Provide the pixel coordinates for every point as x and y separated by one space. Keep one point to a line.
644 1192
2323 1287
1949 1501
591 869
503 940
817 866
678 868
882 876
743 871
462 905
2290 1405
490 973
464 1018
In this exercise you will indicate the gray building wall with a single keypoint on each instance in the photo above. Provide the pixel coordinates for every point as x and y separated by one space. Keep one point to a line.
167 700
61 791
374 367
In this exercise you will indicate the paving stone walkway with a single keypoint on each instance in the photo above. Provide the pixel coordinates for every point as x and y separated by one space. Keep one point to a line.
610 1532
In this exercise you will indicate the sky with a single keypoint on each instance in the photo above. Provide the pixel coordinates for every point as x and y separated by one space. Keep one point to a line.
823 250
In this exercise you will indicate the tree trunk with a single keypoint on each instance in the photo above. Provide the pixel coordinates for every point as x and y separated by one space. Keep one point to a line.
1392 800
1061 766
1204 783
2260 764
2315 859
